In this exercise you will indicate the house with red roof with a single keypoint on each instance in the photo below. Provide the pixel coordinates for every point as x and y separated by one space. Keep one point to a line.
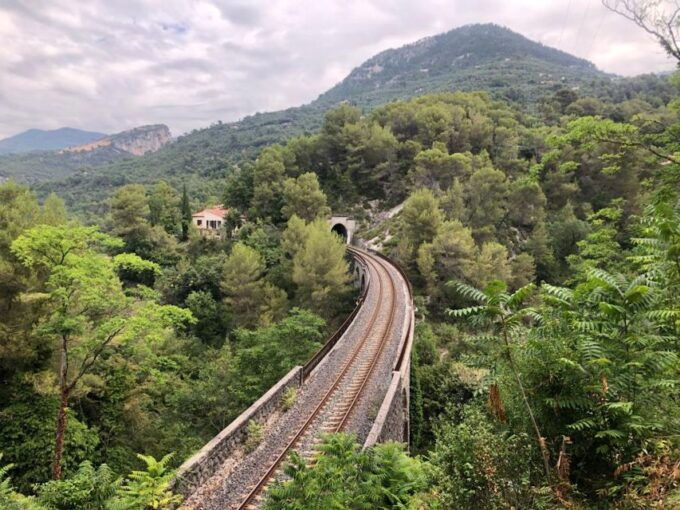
209 222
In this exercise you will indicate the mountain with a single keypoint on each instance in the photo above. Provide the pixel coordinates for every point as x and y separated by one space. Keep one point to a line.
39 166
42 140
475 57
487 57
137 141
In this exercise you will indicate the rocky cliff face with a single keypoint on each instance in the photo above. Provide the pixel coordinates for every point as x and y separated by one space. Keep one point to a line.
137 141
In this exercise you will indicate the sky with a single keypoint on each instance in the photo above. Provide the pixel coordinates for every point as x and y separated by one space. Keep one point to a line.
110 65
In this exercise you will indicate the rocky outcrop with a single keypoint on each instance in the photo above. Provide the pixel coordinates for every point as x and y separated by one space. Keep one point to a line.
137 141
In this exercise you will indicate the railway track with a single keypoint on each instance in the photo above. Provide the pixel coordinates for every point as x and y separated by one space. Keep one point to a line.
334 408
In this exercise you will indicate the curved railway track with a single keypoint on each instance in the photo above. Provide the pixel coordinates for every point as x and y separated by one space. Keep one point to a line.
335 407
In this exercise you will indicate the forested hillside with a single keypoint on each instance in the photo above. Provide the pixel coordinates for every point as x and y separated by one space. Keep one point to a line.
476 57
82 157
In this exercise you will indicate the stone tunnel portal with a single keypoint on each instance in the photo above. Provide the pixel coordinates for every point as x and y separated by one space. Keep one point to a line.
340 230
344 226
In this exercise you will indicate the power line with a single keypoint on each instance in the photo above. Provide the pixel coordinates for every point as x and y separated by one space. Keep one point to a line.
583 19
564 25
597 32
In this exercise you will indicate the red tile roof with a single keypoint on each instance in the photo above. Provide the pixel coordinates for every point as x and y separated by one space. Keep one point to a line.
217 211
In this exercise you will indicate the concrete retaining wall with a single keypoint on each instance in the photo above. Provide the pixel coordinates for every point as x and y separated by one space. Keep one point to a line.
195 471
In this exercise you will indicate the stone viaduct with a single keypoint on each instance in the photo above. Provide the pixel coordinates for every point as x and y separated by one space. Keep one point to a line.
380 328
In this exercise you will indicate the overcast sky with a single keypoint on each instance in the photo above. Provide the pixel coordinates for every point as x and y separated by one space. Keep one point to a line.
109 65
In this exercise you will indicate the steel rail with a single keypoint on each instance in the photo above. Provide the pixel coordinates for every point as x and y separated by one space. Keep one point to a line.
376 355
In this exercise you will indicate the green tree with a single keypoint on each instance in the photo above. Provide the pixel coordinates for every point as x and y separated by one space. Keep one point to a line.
90 311
421 217
566 231
451 255
304 198
523 270
129 214
526 203
294 237
487 200
505 312
436 169
53 211
320 270
266 354
130 221
185 212
268 178
492 264
251 299
164 208
452 202
615 354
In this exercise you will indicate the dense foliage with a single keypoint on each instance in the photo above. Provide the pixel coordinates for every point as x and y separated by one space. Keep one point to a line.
525 396
544 248
140 335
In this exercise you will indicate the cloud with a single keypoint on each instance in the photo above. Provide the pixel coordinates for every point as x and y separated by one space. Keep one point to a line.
109 66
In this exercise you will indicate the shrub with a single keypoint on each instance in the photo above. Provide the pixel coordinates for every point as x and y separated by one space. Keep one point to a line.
255 431
288 398
88 489
148 489
479 466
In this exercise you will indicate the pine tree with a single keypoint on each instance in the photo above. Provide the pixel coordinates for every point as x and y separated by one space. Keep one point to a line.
320 269
185 208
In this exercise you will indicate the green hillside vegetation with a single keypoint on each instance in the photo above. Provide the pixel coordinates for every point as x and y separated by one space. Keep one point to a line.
36 167
494 59
528 396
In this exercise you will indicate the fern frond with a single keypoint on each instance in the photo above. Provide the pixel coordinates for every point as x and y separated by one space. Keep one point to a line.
468 291
466 312
520 295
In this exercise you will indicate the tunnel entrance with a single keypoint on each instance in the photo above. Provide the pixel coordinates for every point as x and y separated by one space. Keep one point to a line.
340 230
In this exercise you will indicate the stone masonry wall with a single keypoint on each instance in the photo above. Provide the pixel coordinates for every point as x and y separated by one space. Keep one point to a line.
393 421
389 424
195 471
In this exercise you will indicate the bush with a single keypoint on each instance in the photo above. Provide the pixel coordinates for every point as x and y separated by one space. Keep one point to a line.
27 439
348 477
88 489
148 489
288 398
476 465
255 431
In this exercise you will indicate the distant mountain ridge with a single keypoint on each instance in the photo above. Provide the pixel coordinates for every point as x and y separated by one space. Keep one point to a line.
45 140
38 166
473 57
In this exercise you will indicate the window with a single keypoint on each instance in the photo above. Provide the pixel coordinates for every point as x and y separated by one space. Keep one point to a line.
199 223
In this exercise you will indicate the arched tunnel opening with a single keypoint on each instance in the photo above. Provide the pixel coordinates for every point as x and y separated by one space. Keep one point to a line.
340 230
